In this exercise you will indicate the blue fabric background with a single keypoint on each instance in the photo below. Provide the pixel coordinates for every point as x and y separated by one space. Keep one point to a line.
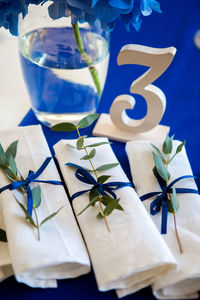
181 85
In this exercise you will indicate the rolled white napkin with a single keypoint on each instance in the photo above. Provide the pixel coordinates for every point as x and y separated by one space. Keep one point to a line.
61 252
133 253
5 262
184 282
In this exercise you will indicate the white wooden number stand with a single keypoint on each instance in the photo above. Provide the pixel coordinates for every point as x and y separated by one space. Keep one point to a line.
118 126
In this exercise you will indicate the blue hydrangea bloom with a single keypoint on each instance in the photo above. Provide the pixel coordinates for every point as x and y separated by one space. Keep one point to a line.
107 11
10 10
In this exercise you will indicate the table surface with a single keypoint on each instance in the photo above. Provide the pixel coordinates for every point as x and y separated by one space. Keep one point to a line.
181 85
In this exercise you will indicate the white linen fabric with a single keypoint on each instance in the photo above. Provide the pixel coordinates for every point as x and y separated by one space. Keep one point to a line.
133 253
5 262
61 252
184 282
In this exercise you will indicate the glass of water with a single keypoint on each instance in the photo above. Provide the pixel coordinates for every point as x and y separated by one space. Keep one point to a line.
57 75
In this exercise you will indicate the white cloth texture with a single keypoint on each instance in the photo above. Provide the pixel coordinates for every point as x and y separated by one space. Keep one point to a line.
5 262
61 252
184 282
132 254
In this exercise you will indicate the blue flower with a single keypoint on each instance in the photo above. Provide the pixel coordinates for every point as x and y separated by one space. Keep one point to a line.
107 11
10 10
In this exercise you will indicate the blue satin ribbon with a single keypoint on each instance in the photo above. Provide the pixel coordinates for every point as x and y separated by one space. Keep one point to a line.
162 199
104 188
25 183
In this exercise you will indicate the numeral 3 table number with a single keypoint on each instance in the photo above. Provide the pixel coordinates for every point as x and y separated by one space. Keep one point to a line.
158 60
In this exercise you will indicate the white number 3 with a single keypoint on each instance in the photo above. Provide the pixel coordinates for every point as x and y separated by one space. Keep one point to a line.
158 60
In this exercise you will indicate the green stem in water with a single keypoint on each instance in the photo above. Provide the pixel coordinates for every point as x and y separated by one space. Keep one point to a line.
86 58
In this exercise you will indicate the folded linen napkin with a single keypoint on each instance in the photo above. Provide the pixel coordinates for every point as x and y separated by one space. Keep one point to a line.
61 252
133 253
5 262
184 282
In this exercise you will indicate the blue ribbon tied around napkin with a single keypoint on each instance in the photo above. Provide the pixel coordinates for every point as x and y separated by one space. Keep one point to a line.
26 182
104 188
161 200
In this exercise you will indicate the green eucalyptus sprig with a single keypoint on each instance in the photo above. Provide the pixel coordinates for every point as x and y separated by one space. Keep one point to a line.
107 204
9 167
162 161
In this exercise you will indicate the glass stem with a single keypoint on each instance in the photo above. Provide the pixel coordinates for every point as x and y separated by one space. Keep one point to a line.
86 58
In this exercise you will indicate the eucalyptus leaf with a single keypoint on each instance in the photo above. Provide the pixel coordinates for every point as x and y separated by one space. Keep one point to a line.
88 120
106 167
98 144
167 146
12 150
159 153
94 192
64 127
80 142
111 206
12 165
100 216
71 146
160 167
50 216
3 236
106 200
103 178
2 156
26 213
36 195
90 155
91 203
174 205
178 149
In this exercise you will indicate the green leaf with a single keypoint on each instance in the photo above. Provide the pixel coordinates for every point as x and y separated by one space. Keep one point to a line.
87 121
103 178
178 149
91 203
50 216
98 144
64 127
173 207
94 192
107 167
2 156
100 216
71 146
106 200
36 194
12 165
167 146
111 206
12 150
160 167
3 237
26 213
159 153
80 142
90 155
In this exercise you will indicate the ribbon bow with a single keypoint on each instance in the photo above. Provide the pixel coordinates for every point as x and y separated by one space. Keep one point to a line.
162 198
25 183
103 188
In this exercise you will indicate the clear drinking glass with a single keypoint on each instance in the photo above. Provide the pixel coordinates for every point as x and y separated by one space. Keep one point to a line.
58 79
